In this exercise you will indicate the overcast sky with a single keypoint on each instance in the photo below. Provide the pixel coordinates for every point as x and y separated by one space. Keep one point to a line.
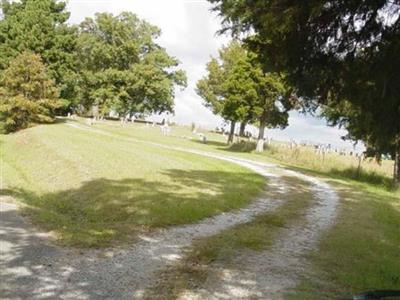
189 33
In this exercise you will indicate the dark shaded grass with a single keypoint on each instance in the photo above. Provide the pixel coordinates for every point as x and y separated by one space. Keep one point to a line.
103 210
242 146
210 143
369 177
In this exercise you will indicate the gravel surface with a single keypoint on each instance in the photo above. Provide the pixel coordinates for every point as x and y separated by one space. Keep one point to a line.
271 274
33 268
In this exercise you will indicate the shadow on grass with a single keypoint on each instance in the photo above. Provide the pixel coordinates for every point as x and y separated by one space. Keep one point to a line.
102 210
360 252
366 177
371 178
211 143
57 120
242 146
60 120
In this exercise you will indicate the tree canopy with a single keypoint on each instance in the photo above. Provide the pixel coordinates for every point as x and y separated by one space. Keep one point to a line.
112 62
123 68
341 56
239 90
227 88
40 27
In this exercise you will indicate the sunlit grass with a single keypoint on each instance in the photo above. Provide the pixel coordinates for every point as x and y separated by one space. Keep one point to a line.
362 250
331 164
91 189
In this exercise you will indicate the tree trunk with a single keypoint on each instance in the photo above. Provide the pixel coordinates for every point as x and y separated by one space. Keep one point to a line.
396 169
242 129
231 132
260 141
359 166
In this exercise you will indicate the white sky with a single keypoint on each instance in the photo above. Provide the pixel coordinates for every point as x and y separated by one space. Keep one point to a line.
189 33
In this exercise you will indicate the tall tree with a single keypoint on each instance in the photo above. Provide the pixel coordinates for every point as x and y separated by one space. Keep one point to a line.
238 89
272 103
227 88
123 68
27 94
332 52
40 26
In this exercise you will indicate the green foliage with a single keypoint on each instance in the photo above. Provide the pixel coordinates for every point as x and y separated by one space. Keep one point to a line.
27 94
270 107
228 87
361 125
41 27
237 88
339 54
109 61
122 68
17 113
209 88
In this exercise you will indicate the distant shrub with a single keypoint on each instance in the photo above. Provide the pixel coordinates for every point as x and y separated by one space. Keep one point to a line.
27 94
365 176
18 112
243 146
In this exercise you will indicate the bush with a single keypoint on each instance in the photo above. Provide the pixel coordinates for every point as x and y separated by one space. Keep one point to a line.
19 112
27 95
243 146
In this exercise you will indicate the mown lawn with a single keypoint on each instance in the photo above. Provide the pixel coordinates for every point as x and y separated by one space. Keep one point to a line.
332 164
91 190
360 252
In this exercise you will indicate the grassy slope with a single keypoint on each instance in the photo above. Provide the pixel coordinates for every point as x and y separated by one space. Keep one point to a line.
92 189
332 165
360 252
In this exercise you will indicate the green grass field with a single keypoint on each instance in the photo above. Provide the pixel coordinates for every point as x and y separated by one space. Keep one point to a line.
332 165
95 189
91 189
360 252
